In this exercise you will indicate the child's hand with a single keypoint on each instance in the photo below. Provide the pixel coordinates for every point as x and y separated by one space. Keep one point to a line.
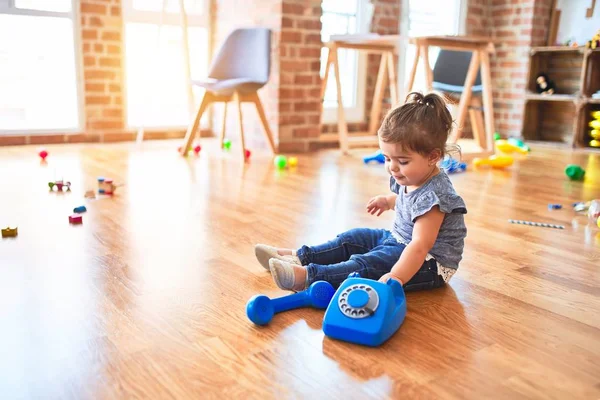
377 204
389 276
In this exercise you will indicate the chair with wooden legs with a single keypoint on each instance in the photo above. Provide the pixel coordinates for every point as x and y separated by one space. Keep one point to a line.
240 68
449 74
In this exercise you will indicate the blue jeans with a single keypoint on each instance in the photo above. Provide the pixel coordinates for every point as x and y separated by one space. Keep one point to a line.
370 252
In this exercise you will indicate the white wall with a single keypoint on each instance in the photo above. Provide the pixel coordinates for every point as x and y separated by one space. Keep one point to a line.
573 23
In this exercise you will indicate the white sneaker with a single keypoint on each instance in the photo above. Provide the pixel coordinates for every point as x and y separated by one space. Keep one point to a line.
265 252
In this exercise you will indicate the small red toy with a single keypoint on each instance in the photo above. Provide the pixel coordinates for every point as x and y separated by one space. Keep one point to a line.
196 149
75 219
247 154
59 185
43 154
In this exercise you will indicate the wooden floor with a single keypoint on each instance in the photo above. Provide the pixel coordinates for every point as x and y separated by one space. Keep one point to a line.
147 298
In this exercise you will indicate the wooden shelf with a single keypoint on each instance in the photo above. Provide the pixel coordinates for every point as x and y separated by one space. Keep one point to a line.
590 100
552 97
556 49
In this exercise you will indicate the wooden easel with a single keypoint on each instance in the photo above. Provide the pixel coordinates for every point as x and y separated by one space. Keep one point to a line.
186 57
382 44
481 48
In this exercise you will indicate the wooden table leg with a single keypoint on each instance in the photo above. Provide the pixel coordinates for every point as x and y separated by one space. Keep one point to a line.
391 67
413 71
325 77
488 102
342 127
378 96
465 98
427 68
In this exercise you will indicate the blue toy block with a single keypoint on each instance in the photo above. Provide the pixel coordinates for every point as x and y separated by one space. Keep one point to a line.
80 209
378 156
365 311
554 206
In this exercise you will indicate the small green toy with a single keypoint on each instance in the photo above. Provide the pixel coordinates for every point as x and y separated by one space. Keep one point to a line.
280 162
227 144
575 172
497 136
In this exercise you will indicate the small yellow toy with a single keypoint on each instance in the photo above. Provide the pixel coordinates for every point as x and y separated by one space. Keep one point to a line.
595 124
10 232
495 161
506 147
595 114
595 143
293 162
595 133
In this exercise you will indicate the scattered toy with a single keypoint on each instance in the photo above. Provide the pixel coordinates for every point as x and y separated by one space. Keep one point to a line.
80 209
451 165
10 232
494 161
247 154
554 206
59 185
574 172
544 85
90 194
75 219
293 161
43 154
542 224
226 144
106 186
377 156
280 162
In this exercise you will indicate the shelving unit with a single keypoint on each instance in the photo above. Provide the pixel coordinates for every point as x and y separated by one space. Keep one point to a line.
563 117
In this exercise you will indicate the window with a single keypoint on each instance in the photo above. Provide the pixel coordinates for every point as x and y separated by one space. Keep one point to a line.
155 70
39 84
434 17
344 17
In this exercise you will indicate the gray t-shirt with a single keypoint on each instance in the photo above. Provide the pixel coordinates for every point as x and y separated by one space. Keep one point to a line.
448 247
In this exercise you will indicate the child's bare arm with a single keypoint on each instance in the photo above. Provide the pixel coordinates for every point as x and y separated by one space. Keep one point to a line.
424 235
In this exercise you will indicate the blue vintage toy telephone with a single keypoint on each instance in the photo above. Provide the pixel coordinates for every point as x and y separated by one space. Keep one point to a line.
362 311
365 311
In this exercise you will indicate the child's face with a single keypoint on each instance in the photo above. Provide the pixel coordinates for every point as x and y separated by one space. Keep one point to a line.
407 167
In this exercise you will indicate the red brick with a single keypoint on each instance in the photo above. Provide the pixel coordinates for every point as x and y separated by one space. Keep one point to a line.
310 52
294 9
112 112
118 100
303 79
309 24
89 61
110 62
94 87
287 22
95 21
106 124
104 100
113 49
294 65
88 8
291 37
308 106
99 48
92 74
115 11
89 34
111 35
312 38
87 47
114 88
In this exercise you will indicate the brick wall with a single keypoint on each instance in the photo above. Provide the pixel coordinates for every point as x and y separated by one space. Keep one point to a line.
300 85
101 31
518 25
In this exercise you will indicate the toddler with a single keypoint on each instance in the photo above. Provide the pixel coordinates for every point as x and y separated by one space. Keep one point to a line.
425 245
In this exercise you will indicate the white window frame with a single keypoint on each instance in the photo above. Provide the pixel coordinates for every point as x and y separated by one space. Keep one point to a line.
356 113
8 7
131 15
460 27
